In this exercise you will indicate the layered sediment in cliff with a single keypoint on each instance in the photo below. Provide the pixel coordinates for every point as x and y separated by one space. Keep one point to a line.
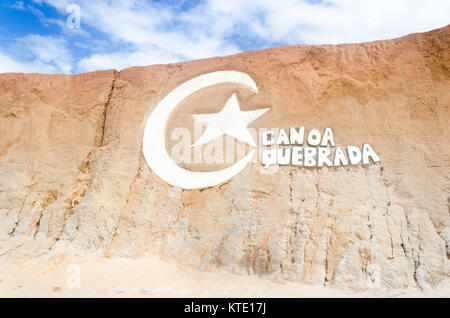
72 173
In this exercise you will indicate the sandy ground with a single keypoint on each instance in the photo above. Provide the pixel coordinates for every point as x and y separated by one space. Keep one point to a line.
153 277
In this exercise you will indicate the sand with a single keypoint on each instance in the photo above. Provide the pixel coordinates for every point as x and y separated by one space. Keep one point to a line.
153 277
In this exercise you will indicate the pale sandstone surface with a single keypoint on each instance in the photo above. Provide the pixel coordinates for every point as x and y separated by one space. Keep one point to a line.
149 276
73 177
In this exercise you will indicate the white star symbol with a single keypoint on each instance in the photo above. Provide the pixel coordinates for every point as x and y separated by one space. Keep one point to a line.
229 121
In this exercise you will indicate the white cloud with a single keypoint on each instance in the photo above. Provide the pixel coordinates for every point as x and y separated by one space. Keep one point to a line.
142 32
36 54
149 31
47 50
148 55
8 64
330 22
122 60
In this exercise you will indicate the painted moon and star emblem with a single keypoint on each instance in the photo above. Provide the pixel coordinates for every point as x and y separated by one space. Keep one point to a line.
231 121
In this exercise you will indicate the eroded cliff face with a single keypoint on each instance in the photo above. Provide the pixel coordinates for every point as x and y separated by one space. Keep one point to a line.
72 173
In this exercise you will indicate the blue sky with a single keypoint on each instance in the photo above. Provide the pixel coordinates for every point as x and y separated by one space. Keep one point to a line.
42 35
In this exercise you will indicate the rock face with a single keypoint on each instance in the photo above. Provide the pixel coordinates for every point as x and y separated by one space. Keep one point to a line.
72 171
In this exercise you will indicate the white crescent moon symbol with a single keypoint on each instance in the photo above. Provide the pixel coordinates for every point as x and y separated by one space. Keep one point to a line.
154 143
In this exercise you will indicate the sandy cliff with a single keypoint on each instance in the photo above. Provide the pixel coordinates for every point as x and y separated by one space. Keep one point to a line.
72 173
